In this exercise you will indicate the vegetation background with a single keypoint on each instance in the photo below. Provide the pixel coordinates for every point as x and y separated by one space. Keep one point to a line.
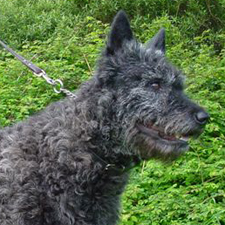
65 37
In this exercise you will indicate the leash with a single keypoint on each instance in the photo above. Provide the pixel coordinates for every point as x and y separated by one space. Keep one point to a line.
57 84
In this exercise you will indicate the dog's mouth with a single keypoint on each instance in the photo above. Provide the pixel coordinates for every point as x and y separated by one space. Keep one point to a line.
154 142
159 134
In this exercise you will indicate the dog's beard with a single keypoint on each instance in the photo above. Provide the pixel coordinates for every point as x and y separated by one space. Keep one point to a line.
152 142
151 147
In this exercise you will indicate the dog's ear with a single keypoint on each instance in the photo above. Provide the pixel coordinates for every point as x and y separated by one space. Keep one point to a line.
120 31
157 43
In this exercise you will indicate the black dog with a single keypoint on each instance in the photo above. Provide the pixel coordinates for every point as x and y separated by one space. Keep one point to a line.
69 164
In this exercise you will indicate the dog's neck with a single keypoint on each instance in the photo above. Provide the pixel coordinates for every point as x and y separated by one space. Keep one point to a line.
119 162
118 165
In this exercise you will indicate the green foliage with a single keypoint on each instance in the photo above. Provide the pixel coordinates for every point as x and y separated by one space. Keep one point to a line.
66 37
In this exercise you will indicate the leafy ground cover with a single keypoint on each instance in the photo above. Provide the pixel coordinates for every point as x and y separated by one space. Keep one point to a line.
66 37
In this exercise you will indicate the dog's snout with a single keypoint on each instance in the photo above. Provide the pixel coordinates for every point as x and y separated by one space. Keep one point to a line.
201 117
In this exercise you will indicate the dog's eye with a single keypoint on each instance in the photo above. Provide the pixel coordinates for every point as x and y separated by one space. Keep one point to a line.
156 85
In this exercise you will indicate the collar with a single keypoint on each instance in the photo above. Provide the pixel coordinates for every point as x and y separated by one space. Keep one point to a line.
117 168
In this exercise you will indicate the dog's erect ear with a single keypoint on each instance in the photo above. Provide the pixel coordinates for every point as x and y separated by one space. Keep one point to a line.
157 43
120 31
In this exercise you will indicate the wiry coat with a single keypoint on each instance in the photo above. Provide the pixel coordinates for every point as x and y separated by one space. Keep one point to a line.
52 169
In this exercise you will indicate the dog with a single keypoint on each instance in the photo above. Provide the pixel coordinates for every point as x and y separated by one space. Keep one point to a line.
70 163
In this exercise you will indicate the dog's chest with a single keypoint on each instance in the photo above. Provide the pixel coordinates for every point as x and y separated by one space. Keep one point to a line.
96 202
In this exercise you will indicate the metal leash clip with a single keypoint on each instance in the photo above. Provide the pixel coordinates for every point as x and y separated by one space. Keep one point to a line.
57 84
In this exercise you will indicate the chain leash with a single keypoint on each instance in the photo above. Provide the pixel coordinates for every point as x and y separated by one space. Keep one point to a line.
57 84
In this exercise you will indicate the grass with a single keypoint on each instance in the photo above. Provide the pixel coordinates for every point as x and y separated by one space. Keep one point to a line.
66 37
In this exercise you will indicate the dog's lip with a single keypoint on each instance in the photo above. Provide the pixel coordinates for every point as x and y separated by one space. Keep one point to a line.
157 133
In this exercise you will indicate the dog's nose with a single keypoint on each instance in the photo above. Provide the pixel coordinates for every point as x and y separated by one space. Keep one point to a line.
201 117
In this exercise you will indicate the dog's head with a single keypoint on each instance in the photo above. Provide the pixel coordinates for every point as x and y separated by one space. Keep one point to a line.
152 115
